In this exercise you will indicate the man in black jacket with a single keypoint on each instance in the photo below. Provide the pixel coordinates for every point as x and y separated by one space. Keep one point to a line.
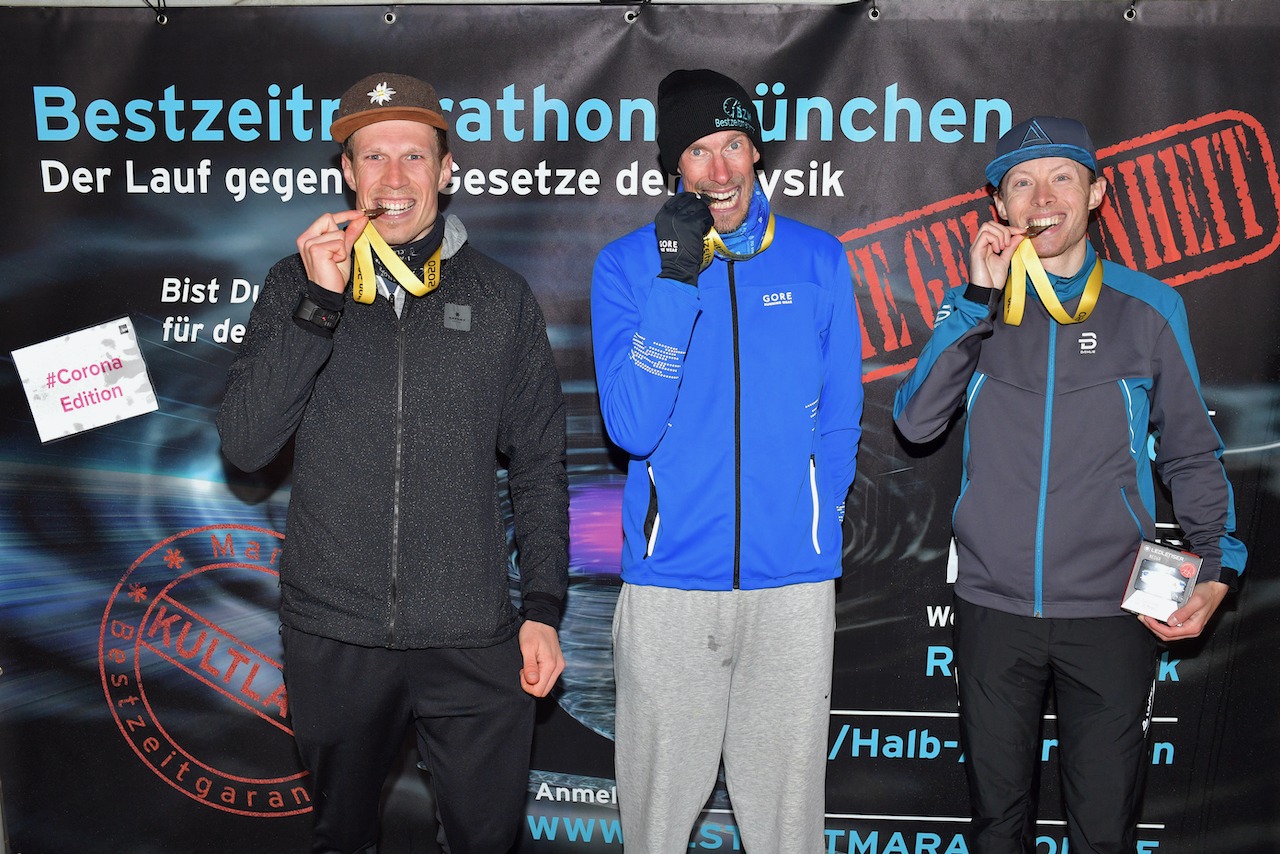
405 391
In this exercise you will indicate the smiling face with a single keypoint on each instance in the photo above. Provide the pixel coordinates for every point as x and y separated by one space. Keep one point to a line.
1053 191
721 166
394 165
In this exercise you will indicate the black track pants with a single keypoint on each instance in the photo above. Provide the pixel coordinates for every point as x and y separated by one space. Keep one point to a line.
1103 671
351 706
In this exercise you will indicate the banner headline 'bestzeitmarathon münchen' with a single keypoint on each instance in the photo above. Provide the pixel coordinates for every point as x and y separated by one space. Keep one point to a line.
516 116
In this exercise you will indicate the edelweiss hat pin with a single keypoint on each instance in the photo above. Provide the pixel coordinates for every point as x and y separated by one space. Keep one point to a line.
386 97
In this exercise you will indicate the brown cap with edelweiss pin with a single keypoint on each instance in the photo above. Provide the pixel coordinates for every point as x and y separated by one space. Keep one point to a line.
383 98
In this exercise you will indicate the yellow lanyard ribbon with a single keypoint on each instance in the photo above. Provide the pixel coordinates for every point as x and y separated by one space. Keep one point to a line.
1027 263
364 285
713 243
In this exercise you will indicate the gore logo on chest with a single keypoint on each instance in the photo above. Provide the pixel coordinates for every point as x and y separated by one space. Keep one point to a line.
779 298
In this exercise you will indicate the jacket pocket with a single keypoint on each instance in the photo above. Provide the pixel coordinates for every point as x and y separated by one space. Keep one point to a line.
1133 513
652 519
955 508
813 491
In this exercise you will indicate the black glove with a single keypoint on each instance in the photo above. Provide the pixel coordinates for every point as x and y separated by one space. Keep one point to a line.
681 224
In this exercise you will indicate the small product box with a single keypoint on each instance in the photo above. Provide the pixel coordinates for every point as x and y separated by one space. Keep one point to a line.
1161 582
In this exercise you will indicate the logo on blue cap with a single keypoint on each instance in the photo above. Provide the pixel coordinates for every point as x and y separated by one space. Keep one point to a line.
1035 136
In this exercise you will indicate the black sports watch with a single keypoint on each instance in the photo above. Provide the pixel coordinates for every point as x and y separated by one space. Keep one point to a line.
310 311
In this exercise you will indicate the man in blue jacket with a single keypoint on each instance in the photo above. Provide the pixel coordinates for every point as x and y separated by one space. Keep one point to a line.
729 369
1064 380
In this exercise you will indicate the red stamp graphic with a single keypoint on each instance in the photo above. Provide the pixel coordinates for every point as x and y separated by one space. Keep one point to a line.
191 666
1187 570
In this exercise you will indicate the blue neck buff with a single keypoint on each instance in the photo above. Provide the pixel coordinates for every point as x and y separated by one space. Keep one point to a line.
1070 287
747 238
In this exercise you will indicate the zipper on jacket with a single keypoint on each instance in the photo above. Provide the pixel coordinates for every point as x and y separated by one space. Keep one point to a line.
737 435
1047 441
652 519
813 490
397 475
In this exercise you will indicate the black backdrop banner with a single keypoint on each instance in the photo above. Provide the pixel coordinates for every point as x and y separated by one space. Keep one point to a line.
157 171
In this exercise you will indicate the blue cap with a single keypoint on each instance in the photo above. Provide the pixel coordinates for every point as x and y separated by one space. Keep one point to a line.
1042 136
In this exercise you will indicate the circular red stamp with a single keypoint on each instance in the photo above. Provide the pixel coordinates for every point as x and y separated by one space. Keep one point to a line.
190 657
1187 570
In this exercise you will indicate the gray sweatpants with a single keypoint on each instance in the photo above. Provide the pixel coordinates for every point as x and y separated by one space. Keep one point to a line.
746 673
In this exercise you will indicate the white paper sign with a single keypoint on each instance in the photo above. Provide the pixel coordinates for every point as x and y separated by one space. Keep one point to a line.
85 379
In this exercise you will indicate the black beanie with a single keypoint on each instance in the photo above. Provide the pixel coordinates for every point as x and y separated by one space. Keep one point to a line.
694 104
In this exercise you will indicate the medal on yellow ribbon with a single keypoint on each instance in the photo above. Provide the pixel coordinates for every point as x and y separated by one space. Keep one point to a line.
713 243
1027 263
364 285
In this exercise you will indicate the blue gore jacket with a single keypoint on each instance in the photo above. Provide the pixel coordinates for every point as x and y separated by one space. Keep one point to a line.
738 402
1057 491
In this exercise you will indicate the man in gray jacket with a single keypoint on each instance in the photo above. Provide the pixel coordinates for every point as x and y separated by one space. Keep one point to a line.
1064 371
408 367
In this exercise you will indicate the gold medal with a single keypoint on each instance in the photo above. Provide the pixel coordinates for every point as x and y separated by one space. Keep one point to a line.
713 243
364 287
1027 263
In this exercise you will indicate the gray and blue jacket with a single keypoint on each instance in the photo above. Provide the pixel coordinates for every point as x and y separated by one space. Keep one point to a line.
1064 423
